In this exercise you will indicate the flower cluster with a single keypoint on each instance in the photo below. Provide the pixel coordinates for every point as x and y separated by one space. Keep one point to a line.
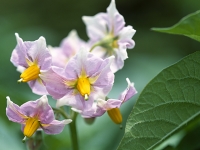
77 74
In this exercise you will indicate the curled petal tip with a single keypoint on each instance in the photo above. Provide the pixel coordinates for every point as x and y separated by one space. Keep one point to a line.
129 82
67 121
16 34
8 100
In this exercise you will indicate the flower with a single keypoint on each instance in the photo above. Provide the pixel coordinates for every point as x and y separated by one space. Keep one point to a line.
108 34
112 105
35 115
32 59
85 77
68 48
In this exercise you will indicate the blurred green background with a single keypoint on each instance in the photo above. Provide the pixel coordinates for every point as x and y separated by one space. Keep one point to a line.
54 20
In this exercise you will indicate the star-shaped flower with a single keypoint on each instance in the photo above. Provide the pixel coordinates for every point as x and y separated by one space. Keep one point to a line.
34 115
32 58
84 78
108 32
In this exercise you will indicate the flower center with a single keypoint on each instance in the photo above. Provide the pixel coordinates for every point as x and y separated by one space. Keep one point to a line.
32 124
31 73
83 86
111 40
115 115
115 44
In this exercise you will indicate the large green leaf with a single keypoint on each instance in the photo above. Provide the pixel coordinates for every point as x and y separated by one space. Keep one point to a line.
168 102
188 26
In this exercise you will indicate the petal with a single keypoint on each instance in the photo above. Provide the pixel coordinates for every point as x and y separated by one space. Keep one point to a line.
54 83
19 53
96 26
45 112
105 76
55 127
37 87
39 53
94 65
76 64
68 48
14 112
71 44
118 63
76 101
94 111
125 37
39 108
57 52
116 20
128 92
109 104
85 62
29 108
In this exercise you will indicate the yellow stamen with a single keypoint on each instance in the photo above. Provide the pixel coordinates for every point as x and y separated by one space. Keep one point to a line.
83 86
32 124
31 73
115 115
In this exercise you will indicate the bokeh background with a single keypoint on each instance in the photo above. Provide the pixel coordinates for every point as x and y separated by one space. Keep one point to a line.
54 20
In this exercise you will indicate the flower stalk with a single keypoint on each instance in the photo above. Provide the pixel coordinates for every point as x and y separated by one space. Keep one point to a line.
73 132
72 126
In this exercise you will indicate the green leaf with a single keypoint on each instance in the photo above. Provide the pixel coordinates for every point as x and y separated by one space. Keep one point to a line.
167 103
187 26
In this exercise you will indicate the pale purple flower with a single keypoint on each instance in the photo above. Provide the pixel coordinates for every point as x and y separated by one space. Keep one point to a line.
31 59
101 105
84 78
68 48
109 32
34 115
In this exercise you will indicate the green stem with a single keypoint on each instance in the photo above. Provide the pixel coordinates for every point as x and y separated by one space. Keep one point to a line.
72 126
95 45
73 132
35 142
62 112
